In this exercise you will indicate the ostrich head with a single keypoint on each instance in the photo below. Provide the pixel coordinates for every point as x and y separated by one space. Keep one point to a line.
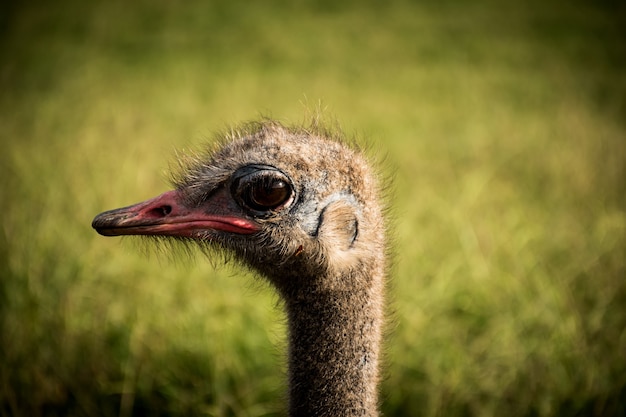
292 203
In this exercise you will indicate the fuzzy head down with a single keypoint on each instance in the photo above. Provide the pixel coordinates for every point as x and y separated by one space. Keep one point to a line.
293 203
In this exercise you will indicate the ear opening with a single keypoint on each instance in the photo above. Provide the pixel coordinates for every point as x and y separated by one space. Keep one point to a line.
338 232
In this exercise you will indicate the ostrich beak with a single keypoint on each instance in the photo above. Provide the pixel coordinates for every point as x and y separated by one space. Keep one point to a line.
168 215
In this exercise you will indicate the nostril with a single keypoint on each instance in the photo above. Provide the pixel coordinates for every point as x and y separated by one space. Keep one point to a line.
161 211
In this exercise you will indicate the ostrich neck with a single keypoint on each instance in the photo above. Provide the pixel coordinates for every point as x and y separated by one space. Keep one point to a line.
334 338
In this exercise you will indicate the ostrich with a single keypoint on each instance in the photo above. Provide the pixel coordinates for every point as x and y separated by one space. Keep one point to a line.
301 208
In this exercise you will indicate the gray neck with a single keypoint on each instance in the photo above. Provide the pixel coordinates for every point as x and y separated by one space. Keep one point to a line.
334 340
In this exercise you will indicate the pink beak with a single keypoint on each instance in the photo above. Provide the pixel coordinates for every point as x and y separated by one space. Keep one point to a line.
167 215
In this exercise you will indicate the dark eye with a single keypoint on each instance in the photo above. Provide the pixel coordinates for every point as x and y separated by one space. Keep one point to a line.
262 190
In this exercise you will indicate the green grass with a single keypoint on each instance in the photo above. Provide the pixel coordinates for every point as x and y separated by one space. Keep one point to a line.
504 127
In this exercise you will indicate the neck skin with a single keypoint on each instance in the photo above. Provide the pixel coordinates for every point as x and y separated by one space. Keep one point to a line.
334 342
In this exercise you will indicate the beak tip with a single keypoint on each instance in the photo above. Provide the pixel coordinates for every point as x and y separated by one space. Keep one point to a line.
105 222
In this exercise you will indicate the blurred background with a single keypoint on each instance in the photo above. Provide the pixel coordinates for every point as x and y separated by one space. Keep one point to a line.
503 127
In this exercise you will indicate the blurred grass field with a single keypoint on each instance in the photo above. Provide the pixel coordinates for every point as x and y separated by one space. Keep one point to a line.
504 126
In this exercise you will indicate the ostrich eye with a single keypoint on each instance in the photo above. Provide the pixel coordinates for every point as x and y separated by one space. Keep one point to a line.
262 190
268 194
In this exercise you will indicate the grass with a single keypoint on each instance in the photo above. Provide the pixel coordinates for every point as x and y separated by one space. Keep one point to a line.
504 127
